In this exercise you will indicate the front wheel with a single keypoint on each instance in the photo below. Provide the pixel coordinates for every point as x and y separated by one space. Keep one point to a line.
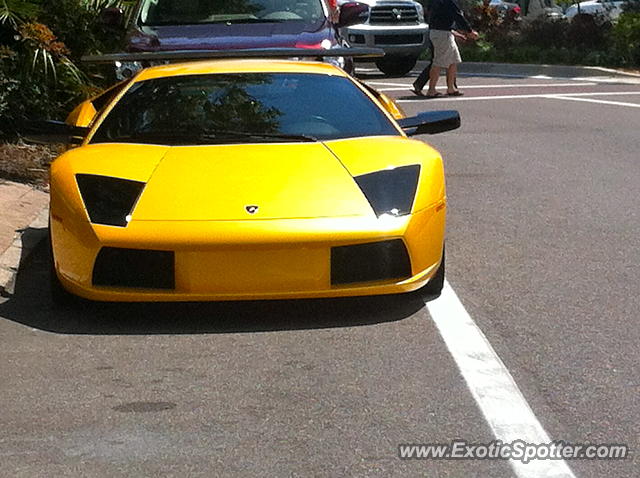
396 65
433 289
60 297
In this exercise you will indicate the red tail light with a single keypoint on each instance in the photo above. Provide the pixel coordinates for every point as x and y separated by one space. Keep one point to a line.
310 46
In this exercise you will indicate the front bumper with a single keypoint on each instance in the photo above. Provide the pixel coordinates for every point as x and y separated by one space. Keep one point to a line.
244 260
407 40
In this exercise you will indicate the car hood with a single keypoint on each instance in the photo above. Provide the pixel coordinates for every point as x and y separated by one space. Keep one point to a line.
218 182
233 36
588 3
294 180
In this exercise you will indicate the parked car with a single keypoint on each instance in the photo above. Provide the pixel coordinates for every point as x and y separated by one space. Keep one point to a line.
608 9
170 25
397 26
504 7
540 8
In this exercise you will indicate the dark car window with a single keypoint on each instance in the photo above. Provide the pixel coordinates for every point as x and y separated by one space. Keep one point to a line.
229 108
102 100
186 12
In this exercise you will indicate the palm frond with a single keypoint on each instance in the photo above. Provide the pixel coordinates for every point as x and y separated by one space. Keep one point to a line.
7 15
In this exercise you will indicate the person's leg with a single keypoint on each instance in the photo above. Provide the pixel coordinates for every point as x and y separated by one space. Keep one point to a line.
422 79
434 76
452 71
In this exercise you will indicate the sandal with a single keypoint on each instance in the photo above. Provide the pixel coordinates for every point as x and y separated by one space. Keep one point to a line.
435 95
456 93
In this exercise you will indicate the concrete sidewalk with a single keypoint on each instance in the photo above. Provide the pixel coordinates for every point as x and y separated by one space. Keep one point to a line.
23 223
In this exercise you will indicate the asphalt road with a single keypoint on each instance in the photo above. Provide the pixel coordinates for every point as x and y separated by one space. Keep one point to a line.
543 241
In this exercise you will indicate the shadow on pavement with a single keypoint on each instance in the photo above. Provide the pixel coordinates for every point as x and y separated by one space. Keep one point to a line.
30 305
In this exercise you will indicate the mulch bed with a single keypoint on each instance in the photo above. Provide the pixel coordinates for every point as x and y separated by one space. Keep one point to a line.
26 163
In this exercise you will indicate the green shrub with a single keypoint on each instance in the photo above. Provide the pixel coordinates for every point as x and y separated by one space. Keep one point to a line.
544 33
75 22
626 38
41 42
589 32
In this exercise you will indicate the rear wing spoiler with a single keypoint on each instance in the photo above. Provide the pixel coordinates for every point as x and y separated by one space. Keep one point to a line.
192 55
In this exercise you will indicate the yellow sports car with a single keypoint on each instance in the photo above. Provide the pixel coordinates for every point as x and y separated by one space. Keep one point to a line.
246 179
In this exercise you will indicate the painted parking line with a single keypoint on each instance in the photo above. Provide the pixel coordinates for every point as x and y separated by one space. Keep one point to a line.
492 386
527 85
589 100
512 97
384 83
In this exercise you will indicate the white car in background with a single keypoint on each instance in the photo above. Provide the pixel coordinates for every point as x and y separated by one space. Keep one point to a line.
610 9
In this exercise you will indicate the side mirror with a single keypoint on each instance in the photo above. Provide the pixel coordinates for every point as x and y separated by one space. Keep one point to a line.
82 115
54 132
352 13
111 17
430 122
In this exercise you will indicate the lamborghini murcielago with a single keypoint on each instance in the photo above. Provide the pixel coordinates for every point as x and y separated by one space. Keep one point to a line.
247 179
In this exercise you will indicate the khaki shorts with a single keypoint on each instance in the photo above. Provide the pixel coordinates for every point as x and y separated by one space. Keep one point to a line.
445 49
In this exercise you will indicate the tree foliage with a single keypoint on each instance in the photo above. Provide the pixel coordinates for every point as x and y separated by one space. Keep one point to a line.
41 43
586 39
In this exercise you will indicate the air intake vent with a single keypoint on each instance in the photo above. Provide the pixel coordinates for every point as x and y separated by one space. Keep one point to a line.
375 261
108 200
144 269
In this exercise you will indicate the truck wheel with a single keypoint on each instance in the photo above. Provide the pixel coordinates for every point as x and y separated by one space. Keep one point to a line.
396 65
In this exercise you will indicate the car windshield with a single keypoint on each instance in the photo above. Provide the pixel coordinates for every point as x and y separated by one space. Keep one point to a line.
243 108
189 12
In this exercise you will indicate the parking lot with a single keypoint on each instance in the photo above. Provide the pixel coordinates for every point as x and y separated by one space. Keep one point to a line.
534 338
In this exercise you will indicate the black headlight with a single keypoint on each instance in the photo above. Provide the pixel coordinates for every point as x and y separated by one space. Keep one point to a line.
108 200
391 191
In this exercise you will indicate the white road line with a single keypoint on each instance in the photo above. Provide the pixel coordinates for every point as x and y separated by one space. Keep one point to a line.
587 100
381 83
492 386
526 85
512 97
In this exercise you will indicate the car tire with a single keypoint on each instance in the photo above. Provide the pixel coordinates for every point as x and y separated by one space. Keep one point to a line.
396 65
433 289
60 297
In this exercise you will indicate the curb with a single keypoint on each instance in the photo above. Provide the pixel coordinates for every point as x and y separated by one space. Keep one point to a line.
525 69
20 249
558 71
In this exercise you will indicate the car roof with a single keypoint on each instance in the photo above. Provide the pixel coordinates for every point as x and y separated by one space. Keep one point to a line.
239 66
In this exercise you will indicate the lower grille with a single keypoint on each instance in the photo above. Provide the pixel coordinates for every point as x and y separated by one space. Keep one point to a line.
116 267
398 39
374 261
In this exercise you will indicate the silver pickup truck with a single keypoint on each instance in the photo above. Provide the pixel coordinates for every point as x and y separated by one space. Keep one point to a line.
396 26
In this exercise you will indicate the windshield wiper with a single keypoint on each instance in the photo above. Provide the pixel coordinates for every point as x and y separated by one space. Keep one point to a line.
219 134
212 22
251 20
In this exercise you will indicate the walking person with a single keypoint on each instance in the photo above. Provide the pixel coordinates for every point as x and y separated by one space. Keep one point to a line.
444 16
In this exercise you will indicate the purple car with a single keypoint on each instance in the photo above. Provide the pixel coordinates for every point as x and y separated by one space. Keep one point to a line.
169 25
